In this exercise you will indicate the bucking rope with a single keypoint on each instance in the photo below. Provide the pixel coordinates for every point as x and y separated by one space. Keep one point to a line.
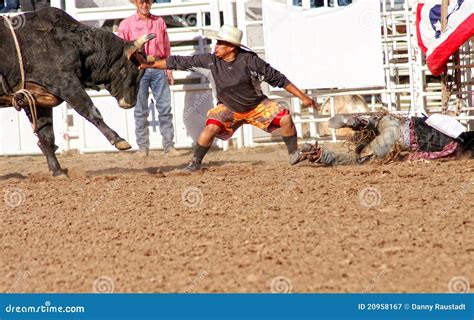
363 138
447 86
446 91
18 99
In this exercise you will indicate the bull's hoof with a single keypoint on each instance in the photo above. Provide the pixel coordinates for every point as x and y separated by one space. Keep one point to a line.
60 174
122 145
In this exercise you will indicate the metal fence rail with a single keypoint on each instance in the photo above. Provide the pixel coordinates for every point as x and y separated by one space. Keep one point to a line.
409 86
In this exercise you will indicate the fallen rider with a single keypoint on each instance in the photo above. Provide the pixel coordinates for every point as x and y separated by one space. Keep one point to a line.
389 137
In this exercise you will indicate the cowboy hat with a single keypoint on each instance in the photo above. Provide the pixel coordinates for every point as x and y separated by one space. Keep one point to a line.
228 34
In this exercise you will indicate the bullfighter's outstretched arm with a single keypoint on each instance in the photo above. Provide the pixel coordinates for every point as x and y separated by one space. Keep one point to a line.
179 62
157 64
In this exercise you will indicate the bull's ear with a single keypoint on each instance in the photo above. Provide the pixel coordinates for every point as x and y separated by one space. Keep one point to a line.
131 51
144 39
138 59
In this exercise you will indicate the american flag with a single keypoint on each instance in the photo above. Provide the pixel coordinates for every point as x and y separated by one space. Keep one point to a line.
440 46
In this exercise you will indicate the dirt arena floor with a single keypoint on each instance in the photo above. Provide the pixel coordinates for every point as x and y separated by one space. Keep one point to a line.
249 223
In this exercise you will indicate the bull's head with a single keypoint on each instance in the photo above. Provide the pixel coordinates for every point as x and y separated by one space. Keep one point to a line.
125 81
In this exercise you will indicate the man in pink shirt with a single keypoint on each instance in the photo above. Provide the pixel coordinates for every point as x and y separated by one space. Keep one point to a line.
143 22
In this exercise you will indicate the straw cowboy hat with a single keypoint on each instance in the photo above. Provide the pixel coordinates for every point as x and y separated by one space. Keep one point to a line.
227 33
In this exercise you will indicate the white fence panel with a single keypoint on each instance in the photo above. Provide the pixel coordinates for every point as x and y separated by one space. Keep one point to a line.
190 105
191 102
348 56
16 134
91 139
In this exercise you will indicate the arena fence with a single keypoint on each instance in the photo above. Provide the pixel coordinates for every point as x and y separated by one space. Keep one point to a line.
409 86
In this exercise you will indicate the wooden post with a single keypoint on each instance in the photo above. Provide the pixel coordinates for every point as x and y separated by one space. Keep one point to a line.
457 73
445 91
444 15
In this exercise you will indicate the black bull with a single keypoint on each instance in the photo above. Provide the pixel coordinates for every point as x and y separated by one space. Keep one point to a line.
61 58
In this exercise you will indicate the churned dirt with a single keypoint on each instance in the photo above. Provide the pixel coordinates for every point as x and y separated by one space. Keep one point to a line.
249 223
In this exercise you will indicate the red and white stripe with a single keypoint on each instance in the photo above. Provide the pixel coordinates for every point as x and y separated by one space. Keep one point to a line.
460 27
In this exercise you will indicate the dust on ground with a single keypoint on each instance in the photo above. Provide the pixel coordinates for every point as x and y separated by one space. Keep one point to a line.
248 223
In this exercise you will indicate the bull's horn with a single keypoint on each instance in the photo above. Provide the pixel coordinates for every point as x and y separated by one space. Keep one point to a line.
144 39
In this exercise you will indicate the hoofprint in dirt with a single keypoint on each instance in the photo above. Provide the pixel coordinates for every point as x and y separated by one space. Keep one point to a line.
249 223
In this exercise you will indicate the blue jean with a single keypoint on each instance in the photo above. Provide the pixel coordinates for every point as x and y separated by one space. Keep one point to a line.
156 80
9 5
